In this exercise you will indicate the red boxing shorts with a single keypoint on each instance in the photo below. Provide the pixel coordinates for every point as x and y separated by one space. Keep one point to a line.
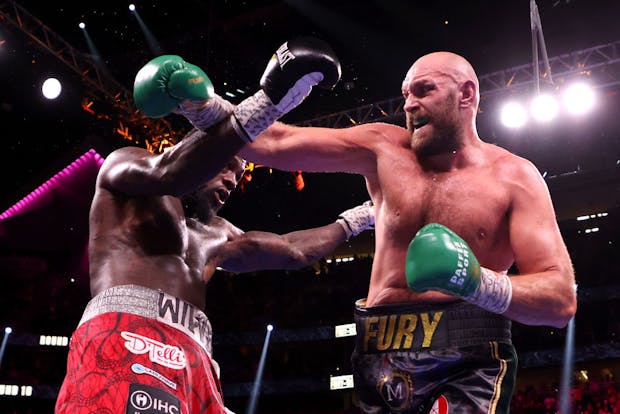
141 351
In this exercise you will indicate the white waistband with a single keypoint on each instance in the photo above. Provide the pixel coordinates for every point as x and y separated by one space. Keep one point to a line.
154 304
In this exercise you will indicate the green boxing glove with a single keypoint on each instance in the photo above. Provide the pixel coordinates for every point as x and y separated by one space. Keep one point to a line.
164 82
438 259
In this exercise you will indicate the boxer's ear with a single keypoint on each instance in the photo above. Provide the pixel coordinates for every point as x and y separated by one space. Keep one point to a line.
468 94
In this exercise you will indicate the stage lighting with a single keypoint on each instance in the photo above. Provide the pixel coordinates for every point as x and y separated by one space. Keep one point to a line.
132 7
51 88
513 115
82 25
5 339
269 327
544 108
579 98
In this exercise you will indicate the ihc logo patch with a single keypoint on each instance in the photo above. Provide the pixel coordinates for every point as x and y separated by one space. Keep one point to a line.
396 390
440 406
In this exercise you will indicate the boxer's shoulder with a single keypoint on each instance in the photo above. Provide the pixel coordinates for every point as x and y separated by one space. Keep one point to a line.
125 153
379 132
511 168
216 226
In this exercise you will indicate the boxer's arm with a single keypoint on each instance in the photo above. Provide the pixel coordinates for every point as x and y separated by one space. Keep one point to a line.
197 158
316 149
256 250
544 291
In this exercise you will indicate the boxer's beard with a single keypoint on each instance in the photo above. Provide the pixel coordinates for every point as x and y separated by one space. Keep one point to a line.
442 134
197 204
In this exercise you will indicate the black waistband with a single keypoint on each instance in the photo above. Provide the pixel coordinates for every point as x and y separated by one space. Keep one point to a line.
411 327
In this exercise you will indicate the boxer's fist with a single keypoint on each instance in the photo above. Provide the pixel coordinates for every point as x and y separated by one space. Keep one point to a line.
296 67
164 82
438 259
357 219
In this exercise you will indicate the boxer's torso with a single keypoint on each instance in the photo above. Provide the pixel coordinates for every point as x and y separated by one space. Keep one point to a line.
474 201
149 241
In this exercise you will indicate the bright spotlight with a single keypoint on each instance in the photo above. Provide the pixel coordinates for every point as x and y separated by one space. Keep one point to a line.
513 115
51 88
132 7
579 98
270 327
8 330
545 107
82 25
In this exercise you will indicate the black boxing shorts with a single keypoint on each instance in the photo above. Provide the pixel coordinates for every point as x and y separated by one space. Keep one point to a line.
432 358
141 351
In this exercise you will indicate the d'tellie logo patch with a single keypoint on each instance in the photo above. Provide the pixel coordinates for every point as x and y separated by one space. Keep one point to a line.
167 355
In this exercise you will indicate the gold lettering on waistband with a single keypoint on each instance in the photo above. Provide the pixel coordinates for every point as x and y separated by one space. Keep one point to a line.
397 332
406 326
368 332
384 341
429 327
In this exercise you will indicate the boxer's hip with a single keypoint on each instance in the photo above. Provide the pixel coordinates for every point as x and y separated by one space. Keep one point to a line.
414 327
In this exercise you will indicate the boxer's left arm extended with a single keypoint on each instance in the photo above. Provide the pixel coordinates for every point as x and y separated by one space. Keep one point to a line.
257 250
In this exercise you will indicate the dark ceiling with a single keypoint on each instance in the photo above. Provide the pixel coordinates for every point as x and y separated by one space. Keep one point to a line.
232 40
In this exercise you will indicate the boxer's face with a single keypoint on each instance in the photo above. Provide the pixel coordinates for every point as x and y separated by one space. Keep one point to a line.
432 109
209 198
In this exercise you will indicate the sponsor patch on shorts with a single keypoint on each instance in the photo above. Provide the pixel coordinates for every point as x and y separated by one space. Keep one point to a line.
170 356
141 369
144 399
396 390
440 406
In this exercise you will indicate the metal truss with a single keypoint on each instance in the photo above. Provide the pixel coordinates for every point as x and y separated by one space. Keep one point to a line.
600 63
131 124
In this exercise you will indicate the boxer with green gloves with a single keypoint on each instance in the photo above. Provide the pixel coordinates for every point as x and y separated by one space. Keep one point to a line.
433 331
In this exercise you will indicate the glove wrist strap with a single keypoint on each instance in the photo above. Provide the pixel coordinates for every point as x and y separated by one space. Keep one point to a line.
494 292
255 114
204 115
346 227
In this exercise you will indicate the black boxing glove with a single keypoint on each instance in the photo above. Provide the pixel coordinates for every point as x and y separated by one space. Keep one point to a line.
293 70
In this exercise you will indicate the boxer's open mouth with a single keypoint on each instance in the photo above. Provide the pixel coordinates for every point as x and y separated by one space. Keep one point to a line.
420 122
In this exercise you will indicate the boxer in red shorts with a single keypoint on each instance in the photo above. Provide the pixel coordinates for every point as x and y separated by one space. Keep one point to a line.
151 352
143 344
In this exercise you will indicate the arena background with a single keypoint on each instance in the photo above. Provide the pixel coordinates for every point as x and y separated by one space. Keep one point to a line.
43 239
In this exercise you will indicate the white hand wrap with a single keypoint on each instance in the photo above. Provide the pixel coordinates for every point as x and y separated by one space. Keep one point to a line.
356 220
256 113
494 293
203 114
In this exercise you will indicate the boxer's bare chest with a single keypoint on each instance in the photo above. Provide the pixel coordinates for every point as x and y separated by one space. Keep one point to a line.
471 201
